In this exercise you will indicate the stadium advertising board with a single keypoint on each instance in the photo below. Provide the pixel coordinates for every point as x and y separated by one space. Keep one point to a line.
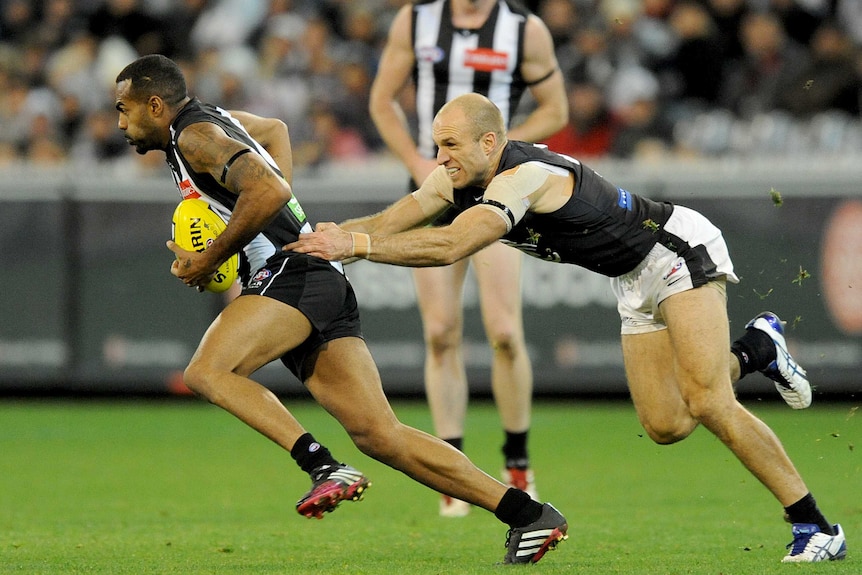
89 302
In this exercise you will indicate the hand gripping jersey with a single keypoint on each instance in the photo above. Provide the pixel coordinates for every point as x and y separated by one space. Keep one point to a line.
603 228
289 221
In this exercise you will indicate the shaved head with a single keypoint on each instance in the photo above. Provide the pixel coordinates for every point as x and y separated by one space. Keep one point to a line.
470 135
483 115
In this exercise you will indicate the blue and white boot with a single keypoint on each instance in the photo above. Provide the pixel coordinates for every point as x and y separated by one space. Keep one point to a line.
789 377
811 545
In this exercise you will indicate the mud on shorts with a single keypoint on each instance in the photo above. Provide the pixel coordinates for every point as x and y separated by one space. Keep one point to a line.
699 258
317 288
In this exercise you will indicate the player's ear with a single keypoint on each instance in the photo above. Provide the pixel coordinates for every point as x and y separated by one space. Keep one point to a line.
156 106
489 142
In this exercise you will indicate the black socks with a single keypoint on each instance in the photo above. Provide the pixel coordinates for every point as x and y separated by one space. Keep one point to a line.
456 442
515 450
309 454
755 350
517 509
806 511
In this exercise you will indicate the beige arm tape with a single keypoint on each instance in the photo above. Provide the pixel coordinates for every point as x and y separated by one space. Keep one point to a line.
361 244
514 188
435 194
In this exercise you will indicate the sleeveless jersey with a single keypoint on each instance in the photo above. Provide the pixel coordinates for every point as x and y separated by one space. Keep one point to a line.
452 61
602 228
283 229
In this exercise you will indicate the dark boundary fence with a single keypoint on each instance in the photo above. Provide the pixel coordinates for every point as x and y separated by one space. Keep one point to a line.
88 304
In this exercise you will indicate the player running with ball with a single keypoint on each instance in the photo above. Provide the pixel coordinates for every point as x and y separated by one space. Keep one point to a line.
297 308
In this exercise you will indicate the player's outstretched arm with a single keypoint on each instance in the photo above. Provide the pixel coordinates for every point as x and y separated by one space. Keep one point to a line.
471 231
404 214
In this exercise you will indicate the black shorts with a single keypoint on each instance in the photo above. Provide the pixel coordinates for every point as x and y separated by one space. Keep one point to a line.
317 289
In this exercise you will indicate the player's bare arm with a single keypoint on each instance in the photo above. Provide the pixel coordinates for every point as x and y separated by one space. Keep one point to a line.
273 135
261 194
404 214
546 84
415 210
471 231
393 73
411 211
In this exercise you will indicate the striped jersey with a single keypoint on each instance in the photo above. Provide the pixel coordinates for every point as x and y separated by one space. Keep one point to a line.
453 61
283 229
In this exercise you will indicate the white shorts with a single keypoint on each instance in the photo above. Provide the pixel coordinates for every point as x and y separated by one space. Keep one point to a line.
703 258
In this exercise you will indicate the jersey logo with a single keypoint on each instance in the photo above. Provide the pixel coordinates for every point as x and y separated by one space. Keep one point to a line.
187 190
297 210
486 59
625 199
676 267
262 275
431 54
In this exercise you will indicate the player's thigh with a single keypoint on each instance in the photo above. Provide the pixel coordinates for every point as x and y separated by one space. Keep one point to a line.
700 334
250 332
649 365
439 293
345 381
498 274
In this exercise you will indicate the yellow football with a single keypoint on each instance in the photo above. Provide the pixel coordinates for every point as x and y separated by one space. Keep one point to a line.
195 226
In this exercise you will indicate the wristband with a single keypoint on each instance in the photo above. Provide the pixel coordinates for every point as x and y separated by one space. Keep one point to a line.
363 250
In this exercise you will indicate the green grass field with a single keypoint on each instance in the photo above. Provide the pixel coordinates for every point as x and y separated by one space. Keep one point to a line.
180 487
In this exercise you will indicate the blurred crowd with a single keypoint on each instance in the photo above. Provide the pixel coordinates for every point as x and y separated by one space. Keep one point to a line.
645 78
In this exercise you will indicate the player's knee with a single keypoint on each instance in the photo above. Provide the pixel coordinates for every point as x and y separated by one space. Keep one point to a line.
443 340
665 436
669 432
375 441
716 417
193 377
506 343
198 378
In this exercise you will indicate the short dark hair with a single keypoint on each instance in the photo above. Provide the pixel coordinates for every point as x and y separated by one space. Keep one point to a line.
155 75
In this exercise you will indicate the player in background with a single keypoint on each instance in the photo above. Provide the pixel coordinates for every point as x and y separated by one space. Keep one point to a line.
297 308
452 47
668 267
